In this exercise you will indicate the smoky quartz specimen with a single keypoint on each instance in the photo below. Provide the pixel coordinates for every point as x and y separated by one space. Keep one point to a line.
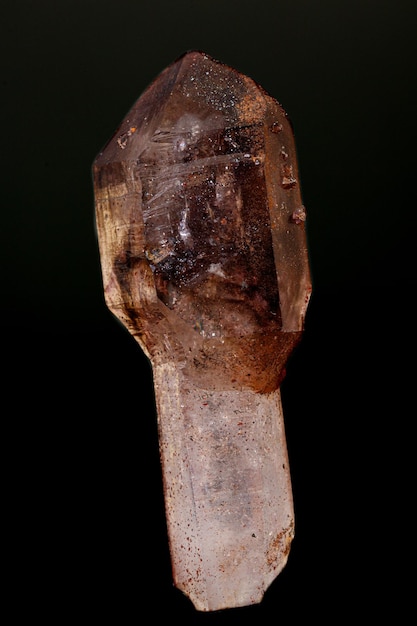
201 231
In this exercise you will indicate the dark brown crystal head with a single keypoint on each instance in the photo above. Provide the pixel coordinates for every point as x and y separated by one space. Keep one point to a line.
201 226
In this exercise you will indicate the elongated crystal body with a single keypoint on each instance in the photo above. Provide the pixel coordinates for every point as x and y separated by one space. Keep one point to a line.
202 241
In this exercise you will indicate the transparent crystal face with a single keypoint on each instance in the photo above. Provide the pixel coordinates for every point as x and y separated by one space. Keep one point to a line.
201 226
207 226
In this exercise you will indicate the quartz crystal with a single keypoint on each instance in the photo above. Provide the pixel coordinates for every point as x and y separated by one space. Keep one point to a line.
201 231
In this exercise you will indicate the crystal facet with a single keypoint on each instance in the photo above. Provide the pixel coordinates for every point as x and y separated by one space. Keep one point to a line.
201 232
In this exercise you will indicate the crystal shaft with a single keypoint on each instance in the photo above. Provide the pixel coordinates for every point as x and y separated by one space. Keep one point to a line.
227 489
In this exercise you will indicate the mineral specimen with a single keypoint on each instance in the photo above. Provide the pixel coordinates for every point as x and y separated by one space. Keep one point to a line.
201 232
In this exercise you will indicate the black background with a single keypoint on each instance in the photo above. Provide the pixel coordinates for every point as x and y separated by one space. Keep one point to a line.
82 477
